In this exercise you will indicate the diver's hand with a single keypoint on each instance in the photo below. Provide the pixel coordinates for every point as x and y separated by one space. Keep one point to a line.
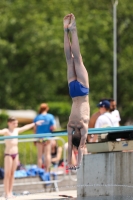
71 167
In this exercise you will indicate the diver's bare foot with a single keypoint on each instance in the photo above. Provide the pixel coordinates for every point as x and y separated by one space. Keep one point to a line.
66 21
72 25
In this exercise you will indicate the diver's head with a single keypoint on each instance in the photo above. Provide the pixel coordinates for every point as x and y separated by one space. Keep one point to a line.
76 137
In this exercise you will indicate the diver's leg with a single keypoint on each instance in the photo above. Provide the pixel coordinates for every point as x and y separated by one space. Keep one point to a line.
71 75
81 72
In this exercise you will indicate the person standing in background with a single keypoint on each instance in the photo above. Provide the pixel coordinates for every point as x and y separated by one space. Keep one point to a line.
93 118
105 119
115 113
11 154
44 145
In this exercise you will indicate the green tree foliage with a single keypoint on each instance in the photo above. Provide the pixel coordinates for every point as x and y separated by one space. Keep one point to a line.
32 61
3 119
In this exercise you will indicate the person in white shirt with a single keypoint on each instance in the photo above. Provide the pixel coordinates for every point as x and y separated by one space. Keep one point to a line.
115 113
105 119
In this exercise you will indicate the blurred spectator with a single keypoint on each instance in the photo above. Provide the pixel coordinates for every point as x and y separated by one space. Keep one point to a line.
93 118
115 113
105 119
43 144
56 153
74 154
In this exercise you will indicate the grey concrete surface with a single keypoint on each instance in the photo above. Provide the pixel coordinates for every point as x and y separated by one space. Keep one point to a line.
106 198
67 183
108 175
43 196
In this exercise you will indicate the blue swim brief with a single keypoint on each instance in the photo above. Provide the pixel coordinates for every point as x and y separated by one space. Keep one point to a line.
76 89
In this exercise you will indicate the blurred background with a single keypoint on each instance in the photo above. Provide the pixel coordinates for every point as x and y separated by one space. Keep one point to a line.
32 61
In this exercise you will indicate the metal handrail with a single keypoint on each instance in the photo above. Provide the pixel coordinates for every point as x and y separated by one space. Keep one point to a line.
90 131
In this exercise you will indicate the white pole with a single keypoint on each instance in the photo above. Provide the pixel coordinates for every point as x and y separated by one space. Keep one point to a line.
115 50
